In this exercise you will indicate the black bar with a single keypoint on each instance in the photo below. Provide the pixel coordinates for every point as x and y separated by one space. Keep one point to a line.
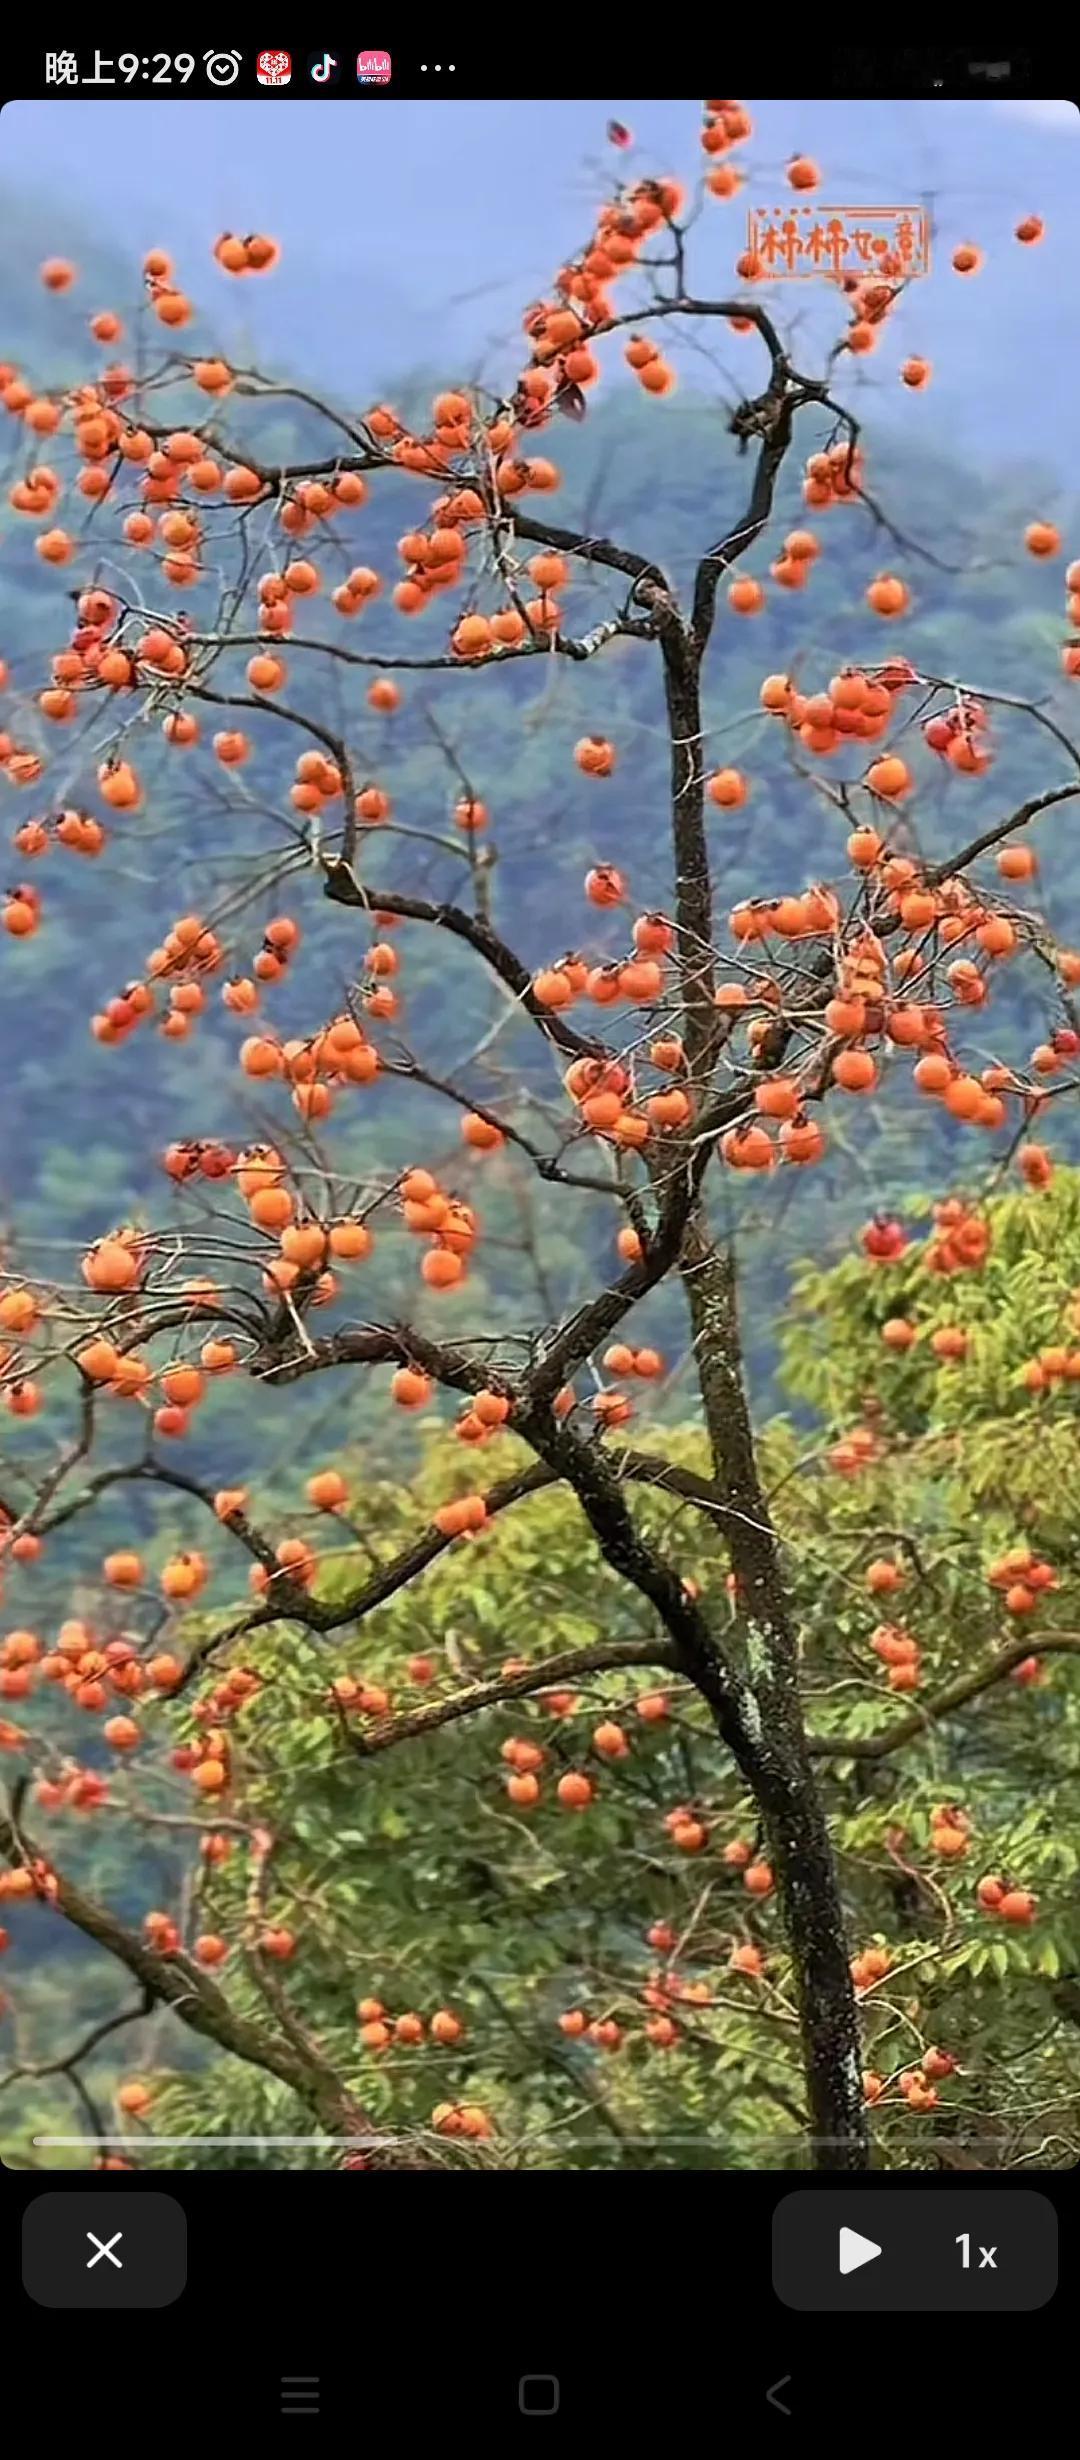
448 66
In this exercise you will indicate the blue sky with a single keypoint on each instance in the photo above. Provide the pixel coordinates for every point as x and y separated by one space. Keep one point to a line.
414 232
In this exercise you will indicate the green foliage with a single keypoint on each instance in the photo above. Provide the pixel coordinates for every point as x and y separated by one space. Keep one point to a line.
408 1876
1015 1445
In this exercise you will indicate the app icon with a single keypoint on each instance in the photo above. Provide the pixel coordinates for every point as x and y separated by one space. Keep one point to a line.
373 67
273 68
323 69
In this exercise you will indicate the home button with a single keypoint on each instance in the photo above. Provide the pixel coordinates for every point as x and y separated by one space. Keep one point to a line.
538 2395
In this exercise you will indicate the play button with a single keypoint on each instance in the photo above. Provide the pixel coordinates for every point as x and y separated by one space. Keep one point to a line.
855 2250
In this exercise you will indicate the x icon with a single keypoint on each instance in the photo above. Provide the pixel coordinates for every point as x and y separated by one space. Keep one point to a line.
104 2249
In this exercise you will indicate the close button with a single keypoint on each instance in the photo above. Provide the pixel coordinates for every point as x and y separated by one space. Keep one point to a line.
90 2248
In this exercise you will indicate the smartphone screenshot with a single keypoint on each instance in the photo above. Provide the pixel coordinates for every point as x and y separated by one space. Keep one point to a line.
539 1220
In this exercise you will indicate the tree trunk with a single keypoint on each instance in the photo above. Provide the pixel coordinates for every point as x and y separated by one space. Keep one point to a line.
780 1770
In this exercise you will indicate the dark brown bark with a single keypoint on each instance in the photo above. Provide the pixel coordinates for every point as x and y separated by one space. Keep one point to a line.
595 1480
765 1710
693 887
778 1765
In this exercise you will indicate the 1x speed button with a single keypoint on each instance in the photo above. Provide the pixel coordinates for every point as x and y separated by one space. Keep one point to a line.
915 2250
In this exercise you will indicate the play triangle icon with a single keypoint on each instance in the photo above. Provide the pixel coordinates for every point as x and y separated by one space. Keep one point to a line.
855 2250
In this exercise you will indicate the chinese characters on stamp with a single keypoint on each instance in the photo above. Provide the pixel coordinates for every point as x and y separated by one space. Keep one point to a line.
801 242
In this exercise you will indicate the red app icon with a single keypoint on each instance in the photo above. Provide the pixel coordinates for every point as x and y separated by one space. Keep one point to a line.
273 67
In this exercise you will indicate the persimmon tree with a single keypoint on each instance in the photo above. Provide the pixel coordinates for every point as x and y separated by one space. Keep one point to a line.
215 595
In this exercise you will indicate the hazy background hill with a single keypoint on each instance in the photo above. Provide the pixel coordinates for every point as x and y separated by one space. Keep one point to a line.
413 233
